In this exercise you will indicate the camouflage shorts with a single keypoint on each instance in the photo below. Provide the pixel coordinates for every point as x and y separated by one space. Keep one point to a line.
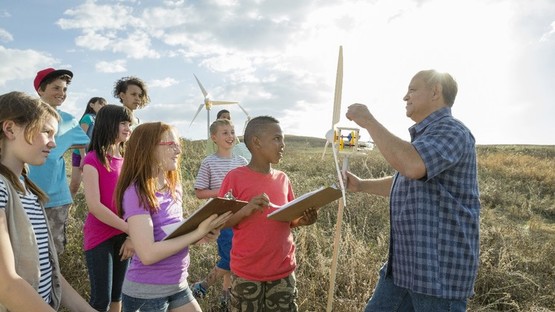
279 295
57 221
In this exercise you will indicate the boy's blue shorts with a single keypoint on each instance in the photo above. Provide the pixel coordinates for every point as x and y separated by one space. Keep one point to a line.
224 248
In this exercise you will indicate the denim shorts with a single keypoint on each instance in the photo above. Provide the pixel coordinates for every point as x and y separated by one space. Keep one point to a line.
132 304
75 160
224 248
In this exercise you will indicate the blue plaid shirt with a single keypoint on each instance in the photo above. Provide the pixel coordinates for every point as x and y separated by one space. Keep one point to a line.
434 247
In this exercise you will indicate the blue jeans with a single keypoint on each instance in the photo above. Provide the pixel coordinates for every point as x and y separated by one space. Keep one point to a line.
132 304
106 272
391 298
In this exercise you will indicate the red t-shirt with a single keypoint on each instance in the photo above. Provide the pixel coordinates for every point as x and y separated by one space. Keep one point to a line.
262 249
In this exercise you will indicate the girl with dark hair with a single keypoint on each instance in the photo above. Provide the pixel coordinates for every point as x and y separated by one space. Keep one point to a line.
87 124
132 92
106 248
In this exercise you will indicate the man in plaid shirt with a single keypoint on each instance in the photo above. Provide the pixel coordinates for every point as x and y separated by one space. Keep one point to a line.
434 202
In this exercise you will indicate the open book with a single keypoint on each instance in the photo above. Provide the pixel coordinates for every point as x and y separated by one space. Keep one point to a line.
295 208
212 206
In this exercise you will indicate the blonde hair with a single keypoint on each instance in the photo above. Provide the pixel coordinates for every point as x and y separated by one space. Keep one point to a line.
217 123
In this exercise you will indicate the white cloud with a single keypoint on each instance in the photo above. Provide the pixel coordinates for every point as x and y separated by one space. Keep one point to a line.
5 14
547 36
137 45
5 36
94 41
22 64
163 83
93 17
279 57
117 66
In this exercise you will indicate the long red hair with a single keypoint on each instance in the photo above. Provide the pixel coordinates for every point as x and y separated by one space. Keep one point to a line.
140 166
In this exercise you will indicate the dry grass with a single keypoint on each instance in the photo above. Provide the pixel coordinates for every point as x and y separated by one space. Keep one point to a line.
517 271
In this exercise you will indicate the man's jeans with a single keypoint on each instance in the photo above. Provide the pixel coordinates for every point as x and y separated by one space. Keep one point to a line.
391 298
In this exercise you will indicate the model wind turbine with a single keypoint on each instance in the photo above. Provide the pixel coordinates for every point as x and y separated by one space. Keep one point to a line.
336 135
331 139
208 103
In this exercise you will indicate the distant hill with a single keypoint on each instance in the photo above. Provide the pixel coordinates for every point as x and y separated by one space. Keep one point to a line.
297 141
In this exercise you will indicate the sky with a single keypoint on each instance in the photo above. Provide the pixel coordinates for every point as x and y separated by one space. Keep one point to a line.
279 58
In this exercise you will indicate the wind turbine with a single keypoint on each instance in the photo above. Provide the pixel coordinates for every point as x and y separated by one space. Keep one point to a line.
208 103
331 139
337 99
335 137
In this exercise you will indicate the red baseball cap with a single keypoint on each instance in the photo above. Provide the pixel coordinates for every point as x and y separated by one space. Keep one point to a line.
48 73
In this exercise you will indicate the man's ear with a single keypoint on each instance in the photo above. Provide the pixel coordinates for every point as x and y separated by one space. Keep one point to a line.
437 91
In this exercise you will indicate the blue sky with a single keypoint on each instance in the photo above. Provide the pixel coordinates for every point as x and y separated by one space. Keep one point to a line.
279 58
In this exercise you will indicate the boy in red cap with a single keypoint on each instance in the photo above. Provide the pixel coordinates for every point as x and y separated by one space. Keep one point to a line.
51 85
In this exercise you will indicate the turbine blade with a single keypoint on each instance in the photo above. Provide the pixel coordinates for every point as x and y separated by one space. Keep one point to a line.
201 87
244 111
196 114
338 89
222 102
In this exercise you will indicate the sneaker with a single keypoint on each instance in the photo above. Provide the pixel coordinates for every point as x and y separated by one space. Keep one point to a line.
199 292
224 302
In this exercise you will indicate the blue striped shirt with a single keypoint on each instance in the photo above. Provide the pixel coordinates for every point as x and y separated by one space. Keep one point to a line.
434 248
38 222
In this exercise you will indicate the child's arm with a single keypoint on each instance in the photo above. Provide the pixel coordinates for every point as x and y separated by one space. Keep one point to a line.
92 197
150 251
256 203
83 153
308 218
85 127
202 181
15 293
211 236
206 193
72 300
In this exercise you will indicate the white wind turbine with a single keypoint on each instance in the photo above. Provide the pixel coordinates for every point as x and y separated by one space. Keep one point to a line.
208 103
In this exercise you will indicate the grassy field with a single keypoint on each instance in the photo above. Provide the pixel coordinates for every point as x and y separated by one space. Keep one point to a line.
517 267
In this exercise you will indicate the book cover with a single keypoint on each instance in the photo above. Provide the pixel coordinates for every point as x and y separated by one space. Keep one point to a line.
295 208
212 206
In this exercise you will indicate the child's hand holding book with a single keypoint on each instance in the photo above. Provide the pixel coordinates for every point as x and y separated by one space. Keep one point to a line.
308 218
213 224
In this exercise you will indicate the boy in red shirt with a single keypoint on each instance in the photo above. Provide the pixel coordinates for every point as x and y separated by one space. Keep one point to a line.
263 252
